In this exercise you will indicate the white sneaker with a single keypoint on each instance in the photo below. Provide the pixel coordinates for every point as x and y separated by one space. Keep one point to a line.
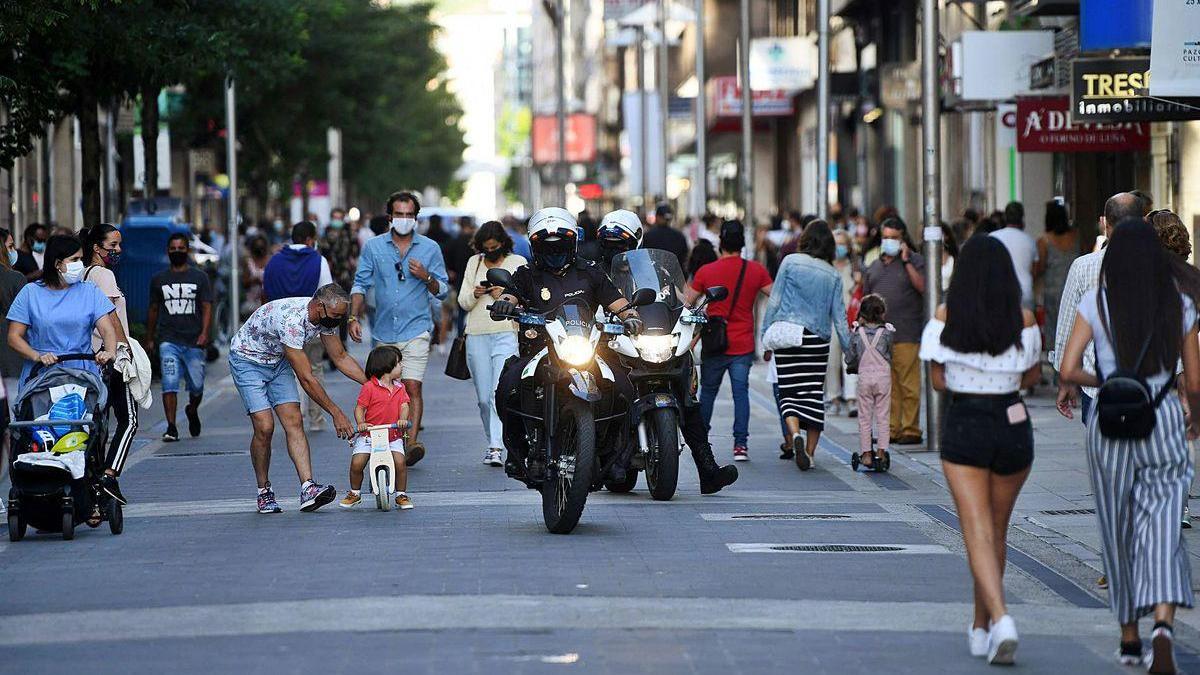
977 641
494 457
1002 642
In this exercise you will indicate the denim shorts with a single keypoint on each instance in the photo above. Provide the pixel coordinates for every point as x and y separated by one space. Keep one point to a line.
180 361
263 387
978 433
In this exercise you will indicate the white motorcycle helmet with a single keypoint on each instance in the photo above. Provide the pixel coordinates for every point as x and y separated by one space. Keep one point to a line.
553 239
620 228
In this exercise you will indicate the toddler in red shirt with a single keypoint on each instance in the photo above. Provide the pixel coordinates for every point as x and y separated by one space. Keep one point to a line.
382 400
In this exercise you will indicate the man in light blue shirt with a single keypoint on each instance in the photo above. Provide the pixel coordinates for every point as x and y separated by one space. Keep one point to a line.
405 268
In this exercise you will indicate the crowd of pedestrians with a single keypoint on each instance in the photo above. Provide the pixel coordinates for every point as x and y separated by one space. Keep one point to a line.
835 309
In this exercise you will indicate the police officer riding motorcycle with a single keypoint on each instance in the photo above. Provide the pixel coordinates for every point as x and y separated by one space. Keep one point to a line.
559 402
658 390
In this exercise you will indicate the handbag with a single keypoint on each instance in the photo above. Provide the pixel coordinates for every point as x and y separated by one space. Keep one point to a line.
456 362
714 341
1125 408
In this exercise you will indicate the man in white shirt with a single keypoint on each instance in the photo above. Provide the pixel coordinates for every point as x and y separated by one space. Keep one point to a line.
1021 247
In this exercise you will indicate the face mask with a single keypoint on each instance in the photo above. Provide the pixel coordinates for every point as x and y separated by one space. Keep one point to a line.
330 321
842 251
177 258
337 224
39 247
554 262
12 258
73 272
890 247
404 226
493 256
112 258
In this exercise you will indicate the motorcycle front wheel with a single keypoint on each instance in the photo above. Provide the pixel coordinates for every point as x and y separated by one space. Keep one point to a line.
662 466
565 491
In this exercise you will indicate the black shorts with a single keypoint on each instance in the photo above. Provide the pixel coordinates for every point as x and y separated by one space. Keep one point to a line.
978 433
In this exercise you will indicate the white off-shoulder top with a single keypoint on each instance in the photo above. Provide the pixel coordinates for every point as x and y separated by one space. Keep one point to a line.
980 373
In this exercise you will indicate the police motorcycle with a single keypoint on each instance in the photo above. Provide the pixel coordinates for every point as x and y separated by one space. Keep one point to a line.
659 362
567 399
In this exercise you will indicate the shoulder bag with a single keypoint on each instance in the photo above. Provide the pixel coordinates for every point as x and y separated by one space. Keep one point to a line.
714 341
456 362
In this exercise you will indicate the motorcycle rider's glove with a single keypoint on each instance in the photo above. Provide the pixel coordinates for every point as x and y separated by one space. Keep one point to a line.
633 325
502 309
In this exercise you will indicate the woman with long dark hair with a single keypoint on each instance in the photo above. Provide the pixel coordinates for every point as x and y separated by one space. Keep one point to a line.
804 313
1057 250
102 253
489 343
1141 320
984 349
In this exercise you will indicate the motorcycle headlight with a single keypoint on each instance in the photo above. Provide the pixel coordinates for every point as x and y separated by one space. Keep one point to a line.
575 350
656 348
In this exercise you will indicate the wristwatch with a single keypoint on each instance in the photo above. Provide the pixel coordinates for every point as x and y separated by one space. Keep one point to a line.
351 319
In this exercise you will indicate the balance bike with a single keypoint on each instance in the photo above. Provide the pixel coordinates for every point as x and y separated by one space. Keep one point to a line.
381 469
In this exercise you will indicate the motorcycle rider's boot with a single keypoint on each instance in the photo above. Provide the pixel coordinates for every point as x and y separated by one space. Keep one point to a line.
713 477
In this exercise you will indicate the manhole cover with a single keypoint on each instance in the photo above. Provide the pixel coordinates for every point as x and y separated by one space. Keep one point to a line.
791 516
207 453
836 548
1069 512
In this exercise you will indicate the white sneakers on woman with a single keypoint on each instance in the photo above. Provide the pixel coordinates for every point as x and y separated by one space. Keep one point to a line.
1002 641
977 640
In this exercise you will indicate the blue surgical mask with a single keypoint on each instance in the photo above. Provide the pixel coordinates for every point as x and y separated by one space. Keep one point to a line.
39 247
336 224
842 251
12 257
890 247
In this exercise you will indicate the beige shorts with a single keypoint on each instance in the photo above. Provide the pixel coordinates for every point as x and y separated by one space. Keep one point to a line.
414 356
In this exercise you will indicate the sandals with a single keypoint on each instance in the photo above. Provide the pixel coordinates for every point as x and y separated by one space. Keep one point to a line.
1162 649
785 451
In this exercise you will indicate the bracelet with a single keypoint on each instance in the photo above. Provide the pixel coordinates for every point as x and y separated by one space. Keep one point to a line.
351 319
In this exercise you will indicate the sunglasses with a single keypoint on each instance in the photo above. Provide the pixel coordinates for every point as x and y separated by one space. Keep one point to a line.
400 270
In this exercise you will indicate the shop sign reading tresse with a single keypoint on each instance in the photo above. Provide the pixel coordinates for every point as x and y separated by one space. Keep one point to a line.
1115 90
1043 125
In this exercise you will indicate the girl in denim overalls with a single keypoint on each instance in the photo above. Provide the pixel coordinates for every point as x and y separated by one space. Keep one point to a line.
870 354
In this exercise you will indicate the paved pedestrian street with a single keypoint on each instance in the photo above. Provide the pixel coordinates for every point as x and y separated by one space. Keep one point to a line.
824 572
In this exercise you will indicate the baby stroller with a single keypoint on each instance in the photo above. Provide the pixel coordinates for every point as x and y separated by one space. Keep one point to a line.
56 461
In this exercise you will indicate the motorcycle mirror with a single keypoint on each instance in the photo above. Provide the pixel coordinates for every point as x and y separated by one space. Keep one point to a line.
498 276
643 297
716 293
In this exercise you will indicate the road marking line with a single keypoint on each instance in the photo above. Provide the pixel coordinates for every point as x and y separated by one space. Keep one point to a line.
817 517
525 612
815 548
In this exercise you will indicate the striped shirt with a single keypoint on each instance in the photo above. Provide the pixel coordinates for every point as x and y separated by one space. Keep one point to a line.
1083 278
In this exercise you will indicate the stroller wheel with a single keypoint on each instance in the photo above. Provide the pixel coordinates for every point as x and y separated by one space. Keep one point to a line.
16 525
68 525
116 518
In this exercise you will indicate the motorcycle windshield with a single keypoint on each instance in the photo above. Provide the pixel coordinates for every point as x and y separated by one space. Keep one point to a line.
650 268
659 271
575 319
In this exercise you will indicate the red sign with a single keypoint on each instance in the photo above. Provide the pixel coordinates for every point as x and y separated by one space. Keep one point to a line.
591 191
1043 126
725 99
581 138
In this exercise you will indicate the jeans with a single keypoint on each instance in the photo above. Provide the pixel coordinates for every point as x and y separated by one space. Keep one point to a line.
181 362
712 373
263 387
486 355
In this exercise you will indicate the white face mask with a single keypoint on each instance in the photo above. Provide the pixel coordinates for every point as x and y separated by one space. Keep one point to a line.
73 272
404 226
890 247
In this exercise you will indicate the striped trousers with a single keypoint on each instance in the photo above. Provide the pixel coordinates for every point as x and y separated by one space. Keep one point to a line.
802 381
1141 487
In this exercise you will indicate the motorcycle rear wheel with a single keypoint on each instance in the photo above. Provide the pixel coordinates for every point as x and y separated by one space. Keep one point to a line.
565 491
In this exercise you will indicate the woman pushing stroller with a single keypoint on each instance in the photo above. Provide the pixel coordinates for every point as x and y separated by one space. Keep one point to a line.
57 314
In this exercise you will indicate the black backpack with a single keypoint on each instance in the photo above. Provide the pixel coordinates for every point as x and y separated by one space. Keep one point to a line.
1125 407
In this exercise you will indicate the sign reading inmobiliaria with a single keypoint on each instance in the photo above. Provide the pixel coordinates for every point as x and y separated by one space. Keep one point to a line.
1043 125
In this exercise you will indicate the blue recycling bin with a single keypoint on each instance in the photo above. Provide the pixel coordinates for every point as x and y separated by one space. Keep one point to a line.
144 243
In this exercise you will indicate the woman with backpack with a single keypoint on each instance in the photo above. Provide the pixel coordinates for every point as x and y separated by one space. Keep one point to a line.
1142 321
984 350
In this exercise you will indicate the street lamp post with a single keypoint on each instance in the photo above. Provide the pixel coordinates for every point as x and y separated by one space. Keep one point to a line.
643 133
231 169
560 78
747 122
823 109
930 130
663 81
701 113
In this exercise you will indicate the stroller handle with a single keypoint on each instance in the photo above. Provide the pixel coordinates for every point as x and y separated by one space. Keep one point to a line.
51 423
38 366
